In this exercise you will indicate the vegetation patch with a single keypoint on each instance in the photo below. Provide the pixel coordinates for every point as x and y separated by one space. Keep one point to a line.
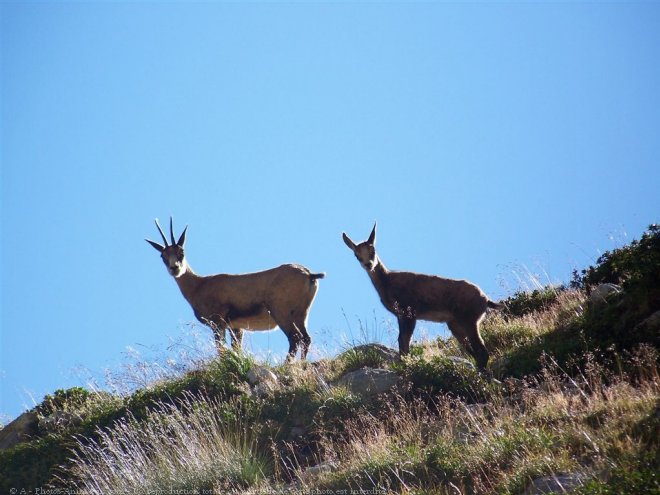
370 356
195 446
442 375
579 395
522 303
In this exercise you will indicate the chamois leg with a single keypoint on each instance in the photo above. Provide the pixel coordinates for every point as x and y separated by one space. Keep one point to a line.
479 350
292 334
305 340
406 328
294 338
218 326
468 336
236 335
292 323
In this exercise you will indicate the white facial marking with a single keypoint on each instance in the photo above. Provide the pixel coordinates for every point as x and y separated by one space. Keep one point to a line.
366 255
175 266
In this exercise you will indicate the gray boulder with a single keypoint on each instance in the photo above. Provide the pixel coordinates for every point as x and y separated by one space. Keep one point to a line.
461 361
263 381
260 374
368 382
557 483
20 430
297 432
58 421
602 295
314 471
650 325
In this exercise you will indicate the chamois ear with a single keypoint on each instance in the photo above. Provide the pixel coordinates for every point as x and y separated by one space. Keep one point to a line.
156 246
348 241
372 236
182 239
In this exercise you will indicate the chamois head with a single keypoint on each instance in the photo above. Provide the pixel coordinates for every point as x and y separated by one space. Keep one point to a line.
172 254
365 252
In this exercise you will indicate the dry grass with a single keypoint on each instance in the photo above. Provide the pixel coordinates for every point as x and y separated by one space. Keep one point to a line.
597 421
450 447
198 445
502 334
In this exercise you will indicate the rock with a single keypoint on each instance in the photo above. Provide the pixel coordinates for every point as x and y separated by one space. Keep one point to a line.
297 432
461 361
313 471
369 382
244 388
263 381
321 383
264 389
463 434
20 430
387 354
650 326
601 294
260 374
59 420
557 483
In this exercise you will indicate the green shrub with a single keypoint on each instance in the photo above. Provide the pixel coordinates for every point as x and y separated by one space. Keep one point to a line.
636 264
636 267
441 375
360 357
340 406
633 477
565 346
507 337
71 400
446 461
31 465
222 378
522 302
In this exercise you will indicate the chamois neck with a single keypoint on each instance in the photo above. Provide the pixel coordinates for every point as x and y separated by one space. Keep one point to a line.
188 282
378 273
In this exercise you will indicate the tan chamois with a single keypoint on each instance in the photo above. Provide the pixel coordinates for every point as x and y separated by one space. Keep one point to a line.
414 296
279 297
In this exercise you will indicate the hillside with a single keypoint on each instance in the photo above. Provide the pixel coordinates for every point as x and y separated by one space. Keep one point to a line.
571 404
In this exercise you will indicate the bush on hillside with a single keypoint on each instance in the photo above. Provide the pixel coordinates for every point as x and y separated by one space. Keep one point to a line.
522 302
636 267
635 264
32 465
29 466
440 375
71 399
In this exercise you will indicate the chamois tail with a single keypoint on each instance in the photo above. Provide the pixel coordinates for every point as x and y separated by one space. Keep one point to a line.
494 305
315 276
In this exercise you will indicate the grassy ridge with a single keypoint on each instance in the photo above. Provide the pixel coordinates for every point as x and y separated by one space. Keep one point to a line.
575 390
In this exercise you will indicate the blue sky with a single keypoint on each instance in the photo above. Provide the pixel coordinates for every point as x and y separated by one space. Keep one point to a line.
487 139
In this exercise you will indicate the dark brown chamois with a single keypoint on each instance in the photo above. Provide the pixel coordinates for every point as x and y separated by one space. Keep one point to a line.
414 296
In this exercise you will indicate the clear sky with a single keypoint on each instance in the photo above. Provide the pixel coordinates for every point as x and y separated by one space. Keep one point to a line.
489 140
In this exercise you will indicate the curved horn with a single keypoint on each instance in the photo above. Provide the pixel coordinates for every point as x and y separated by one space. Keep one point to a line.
172 231
161 232
155 245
